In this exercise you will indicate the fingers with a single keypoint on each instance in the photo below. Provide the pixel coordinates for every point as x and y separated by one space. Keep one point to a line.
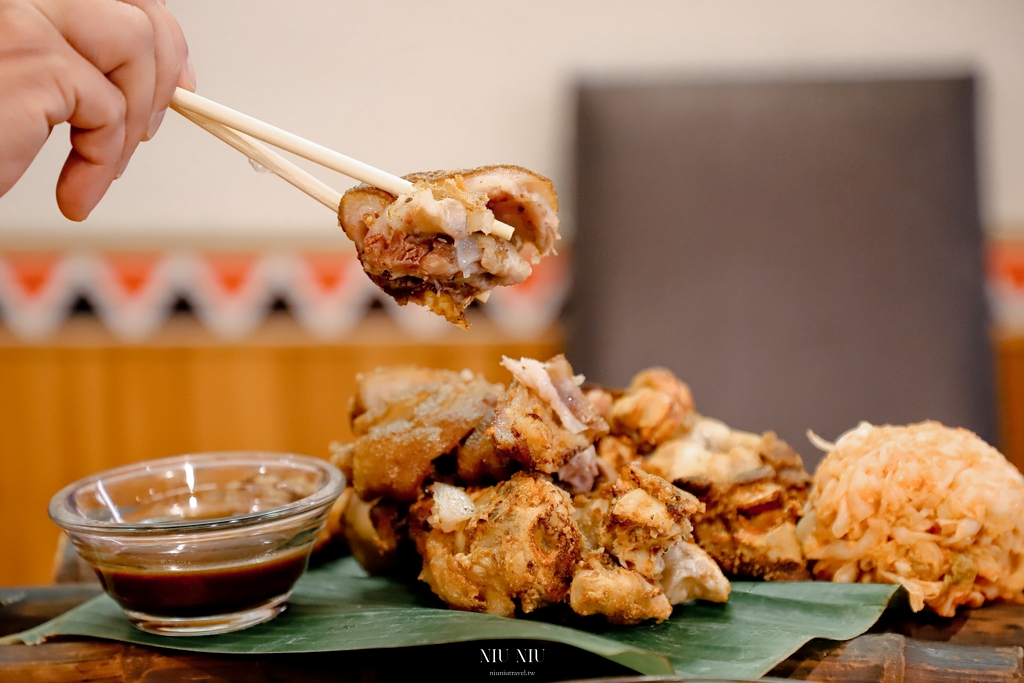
187 77
166 58
119 40
43 82
24 125
127 57
140 48
96 111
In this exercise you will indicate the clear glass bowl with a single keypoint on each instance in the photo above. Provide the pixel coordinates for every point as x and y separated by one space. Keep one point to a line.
203 543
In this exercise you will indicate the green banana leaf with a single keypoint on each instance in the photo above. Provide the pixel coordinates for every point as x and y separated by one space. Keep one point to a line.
339 608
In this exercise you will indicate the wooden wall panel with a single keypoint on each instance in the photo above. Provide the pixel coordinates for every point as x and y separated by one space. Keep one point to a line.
84 402
1010 386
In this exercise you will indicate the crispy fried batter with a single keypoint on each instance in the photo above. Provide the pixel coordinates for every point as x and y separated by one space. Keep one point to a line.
602 399
647 515
390 394
639 556
395 455
432 246
601 585
544 419
622 595
520 545
478 459
378 387
399 408
655 408
341 457
616 452
590 512
754 488
517 544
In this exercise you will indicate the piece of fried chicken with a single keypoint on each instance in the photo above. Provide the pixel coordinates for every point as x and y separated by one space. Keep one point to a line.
433 245
654 408
379 387
640 558
400 440
496 540
754 488
544 420
622 596
487 551
478 459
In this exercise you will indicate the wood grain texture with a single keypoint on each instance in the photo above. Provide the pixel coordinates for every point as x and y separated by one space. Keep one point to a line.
871 658
894 658
84 402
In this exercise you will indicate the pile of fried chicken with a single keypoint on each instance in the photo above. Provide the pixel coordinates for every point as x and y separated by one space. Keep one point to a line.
621 503
435 245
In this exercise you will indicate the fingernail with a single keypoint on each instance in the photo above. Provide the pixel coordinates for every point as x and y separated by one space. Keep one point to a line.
154 123
190 74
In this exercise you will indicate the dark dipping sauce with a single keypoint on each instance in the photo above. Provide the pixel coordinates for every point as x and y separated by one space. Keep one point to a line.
203 592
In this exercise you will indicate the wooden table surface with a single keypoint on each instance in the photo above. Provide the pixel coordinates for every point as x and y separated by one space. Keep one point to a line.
977 645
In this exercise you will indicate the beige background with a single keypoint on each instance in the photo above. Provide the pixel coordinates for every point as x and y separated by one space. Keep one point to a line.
419 85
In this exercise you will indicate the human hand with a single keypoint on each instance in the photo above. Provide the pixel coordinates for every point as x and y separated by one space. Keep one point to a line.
107 67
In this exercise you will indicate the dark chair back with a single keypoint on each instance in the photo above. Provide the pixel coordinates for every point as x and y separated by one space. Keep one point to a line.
806 255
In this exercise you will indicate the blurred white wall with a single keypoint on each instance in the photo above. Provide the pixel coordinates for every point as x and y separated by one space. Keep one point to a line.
410 85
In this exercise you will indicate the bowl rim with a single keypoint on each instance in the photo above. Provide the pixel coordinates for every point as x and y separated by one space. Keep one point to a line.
62 513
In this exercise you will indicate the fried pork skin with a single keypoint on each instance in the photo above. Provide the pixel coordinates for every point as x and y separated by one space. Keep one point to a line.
520 545
655 408
378 387
639 555
692 574
622 595
376 534
544 419
646 517
754 488
478 459
579 474
616 452
622 548
395 455
433 247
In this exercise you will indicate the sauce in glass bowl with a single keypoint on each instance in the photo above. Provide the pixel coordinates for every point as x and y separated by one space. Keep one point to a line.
203 592
203 543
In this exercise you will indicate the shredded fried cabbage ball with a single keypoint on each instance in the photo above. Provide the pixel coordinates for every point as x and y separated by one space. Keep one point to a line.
934 509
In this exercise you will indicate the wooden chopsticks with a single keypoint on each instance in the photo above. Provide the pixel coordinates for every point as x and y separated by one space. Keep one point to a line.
268 158
230 125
